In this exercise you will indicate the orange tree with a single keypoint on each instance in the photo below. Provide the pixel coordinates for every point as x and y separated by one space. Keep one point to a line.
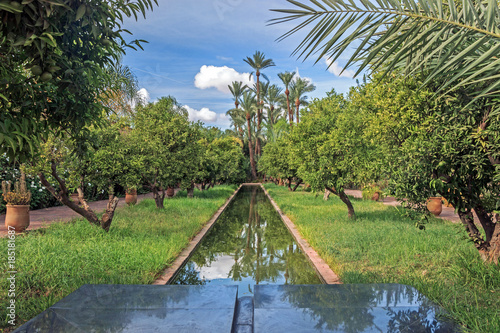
53 69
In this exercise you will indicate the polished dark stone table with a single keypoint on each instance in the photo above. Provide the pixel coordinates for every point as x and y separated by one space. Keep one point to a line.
273 308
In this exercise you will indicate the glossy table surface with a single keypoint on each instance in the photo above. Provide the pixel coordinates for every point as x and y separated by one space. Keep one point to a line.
217 308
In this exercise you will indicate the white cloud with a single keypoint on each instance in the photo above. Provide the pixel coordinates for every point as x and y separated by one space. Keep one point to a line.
205 115
297 75
225 58
219 78
143 95
336 69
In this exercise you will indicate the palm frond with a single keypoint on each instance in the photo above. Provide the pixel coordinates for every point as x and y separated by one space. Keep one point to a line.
458 46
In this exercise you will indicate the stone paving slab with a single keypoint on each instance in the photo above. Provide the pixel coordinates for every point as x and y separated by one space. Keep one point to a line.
139 308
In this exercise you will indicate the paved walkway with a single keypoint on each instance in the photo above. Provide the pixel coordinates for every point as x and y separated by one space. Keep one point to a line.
448 213
46 216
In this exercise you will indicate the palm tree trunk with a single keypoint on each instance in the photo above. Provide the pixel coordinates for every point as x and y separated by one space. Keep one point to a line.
259 115
250 149
290 114
297 104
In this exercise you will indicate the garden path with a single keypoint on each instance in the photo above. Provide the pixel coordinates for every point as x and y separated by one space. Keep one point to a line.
448 213
42 217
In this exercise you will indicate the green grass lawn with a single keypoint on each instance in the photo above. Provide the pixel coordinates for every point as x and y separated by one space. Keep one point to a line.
381 246
142 242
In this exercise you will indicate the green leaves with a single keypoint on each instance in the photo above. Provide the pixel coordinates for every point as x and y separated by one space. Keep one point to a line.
67 45
452 45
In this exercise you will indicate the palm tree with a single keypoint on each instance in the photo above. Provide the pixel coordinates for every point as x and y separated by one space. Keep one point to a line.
287 78
260 91
455 46
273 99
258 63
299 87
238 120
237 89
122 90
249 107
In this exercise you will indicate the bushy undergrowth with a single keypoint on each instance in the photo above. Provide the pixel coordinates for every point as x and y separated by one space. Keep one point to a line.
142 242
382 246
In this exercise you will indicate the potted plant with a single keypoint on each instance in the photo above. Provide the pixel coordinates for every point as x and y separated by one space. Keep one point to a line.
75 197
131 196
17 200
435 205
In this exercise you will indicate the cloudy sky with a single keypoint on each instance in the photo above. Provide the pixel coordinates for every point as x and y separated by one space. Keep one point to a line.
196 48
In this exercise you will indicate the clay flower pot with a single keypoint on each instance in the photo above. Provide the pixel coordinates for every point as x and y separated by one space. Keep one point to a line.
75 198
435 205
170 192
131 197
17 216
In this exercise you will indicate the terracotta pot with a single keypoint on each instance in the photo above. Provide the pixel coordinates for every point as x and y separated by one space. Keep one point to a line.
74 197
170 192
131 198
17 216
376 196
435 205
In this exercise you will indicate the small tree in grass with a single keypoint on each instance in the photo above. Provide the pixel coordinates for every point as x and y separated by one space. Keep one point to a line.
276 161
327 146
166 140
70 163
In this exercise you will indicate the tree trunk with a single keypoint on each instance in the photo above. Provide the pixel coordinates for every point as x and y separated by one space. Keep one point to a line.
252 161
289 184
203 186
290 113
299 181
84 210
297 104
345 199
190 191
326 196
259 115
158 196
492 233
467 220
486 222
494 253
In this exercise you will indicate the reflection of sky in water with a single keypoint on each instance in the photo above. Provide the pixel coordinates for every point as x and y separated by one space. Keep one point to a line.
248 245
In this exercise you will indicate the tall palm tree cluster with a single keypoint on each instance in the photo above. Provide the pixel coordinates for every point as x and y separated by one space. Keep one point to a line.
258 109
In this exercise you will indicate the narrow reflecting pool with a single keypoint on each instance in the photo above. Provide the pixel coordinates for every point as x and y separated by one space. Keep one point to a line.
248 245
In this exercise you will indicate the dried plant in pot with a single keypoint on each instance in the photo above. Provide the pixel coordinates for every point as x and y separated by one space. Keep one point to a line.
18 199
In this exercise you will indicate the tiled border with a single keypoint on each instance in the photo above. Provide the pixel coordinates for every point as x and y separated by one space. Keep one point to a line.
193 244
325 272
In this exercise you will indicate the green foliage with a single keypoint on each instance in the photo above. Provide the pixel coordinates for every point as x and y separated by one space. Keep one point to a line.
59 259
454 46
167 144
56 57
384 247
390 109
369 191
224 161
276 160
326 145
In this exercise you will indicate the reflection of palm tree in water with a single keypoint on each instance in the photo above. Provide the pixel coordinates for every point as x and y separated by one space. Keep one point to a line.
349 308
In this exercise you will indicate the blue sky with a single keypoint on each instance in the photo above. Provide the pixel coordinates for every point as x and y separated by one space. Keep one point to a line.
196 48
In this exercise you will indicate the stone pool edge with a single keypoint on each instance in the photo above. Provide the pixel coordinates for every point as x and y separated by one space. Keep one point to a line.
324 271
183 257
